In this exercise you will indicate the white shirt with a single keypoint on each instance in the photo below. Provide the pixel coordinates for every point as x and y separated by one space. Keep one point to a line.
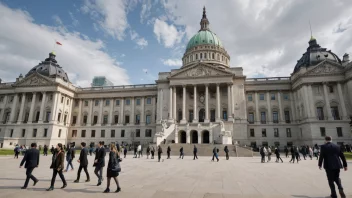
139 148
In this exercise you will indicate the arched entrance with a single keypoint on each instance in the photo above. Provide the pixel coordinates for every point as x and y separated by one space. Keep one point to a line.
201 115
182 137
205 137
194 137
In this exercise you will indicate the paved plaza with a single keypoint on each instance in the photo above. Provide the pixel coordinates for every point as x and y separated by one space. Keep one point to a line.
176 178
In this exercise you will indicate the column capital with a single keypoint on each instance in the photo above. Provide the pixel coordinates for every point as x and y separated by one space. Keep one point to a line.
217 84
206 84
229 83
184 86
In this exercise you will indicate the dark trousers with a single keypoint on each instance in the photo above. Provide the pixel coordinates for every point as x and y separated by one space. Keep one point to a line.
215 155
152 155
195 155
80 170
124 154
29 176
227 156
334 176
168 155
263 157
159 156
99 173
286 154
293 158
16 155
181 155
55 172
45 153
278 158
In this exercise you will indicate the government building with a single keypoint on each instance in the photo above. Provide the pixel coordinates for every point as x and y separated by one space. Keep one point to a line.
206 101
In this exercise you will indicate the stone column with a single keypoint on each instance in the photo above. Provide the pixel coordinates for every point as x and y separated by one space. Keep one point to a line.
56 96
310 101
142 111
3 109
281 111
13 109
211 136
327 101
132 117
79 114
195 120
42 106
188 139
233 102
176 136
20 117
342 101
153 111
63 111
306 101
218 110
206 103
199 137
293 110
100 113
31 111
111 112
122 103
174 104
170 105
161 104
89 118
268 101
229 105
183 121
69 115
257 116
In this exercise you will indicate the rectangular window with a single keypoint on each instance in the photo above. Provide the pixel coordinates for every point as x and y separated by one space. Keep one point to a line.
289 144
95 120
138 101
65 119
251 118
122 133
224 114
11 133
105 119
107 102
251 133
92 134
127 119
59 135
275 117
331 88
335 113
23 132
263 132
277 144
112 133
250 97
45 133
263 117
96 102
287 117
86 103
288 132
128 102
286 97
116 119
83 133
138 118
62 99
47 117
148 119
339 131
34 132
322 132
190 115
85 119
76 103
276 132
138 133
272 96
265 144
148 133
59 117
320 113
74 133
261 96
117 102
102 134
149 100
74 119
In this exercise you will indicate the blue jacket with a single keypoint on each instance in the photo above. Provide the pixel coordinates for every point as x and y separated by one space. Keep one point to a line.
331 155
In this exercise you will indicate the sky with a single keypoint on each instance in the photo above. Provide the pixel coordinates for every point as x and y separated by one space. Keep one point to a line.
131 41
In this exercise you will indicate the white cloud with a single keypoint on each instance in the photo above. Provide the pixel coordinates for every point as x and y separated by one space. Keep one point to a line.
75 22
57 20
146 10
123 55
140 41
172 62
80 57
111 15
145 70
95 27
167 34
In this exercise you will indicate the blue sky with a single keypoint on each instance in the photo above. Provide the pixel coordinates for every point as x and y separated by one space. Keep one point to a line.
130 41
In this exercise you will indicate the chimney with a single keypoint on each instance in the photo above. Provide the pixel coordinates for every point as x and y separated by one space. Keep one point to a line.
346 58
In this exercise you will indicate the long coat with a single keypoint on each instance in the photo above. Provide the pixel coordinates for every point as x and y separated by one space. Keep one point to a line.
58 161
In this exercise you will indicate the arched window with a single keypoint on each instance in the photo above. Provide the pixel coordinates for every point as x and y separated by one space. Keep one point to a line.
213 56
218 57
205 55
201 55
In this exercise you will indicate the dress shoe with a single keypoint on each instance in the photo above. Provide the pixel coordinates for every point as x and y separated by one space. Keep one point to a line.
35 182
50 188
106 190
99 183
342 194
23 187
76 181
64 186
88 180
118 190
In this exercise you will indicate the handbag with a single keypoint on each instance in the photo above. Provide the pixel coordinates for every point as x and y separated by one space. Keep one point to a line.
116 165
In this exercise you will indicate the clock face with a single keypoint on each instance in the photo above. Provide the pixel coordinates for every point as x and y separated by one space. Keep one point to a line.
201 98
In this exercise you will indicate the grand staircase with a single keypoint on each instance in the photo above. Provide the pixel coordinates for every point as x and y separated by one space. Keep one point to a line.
207 150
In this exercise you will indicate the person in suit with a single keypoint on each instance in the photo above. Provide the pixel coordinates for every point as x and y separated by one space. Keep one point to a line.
58 166
215 154
160 151
152 152
125 152
181 152
148 152
168 152
83 162
227 153
277 153
31 159
114 156
195 150
45 150
52 150
332 155
262 154
293 155
99 162
70 155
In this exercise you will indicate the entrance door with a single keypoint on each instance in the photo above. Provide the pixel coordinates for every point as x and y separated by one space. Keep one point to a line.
212 115
201 115
194 137
183 137
205 137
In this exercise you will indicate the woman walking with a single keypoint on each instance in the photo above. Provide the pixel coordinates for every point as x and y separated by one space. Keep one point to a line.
310 153
58 165
152 152
148 152
112 172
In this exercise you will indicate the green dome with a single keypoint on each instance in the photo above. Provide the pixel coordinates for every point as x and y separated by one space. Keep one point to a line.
204 37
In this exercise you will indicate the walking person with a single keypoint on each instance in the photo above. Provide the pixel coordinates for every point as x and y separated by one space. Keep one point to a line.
227 153
148 152
99 162
269 153
160 151
286 151
304 152
58 166
298 156
135 152
277 153
262 154
17 151
152 152
168 152
139 149
331 155
31 160
125 152
83 162
45 150
215 154
316 151
70 155
292 150
52 150
181 152
113 168
195 150
310 153
91 149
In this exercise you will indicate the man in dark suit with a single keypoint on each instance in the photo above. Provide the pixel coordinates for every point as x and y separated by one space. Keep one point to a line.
31 159
195 150
99 162
83 162
331 154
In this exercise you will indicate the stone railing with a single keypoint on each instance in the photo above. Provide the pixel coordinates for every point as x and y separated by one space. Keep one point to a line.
118 87
268 79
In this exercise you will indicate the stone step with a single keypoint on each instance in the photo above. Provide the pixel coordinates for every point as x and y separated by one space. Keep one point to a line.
203 149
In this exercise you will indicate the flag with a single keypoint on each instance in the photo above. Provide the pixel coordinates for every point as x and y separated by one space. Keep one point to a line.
58 43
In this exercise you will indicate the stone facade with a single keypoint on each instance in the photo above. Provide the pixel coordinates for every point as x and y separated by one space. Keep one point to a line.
205 101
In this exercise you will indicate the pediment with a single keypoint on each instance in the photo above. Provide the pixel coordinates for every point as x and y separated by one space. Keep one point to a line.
325 68
34 80
200 70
